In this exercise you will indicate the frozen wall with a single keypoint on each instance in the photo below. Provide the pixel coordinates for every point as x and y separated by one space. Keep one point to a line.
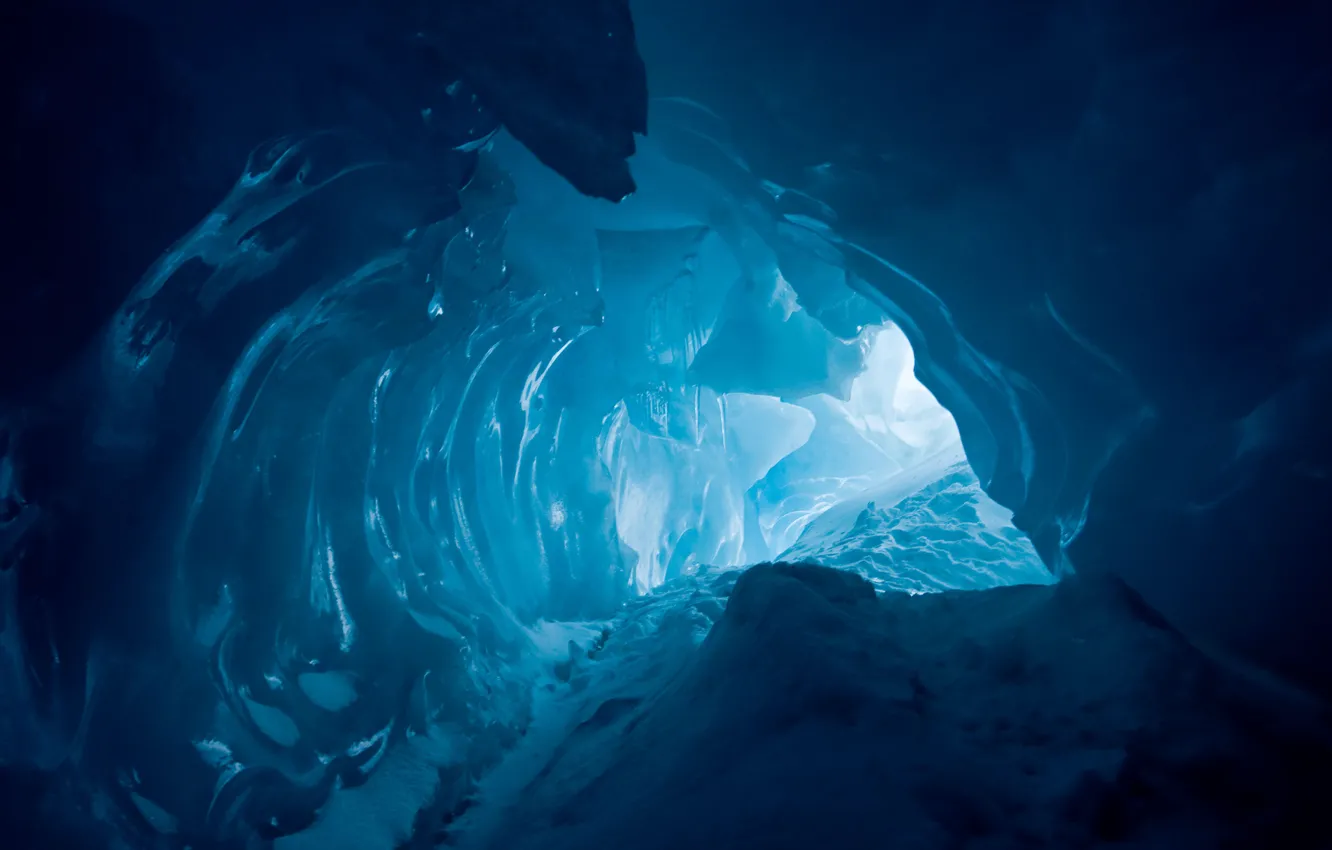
1138 248
295 512
458 433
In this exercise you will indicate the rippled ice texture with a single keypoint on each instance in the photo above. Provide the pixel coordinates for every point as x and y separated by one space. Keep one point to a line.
452 440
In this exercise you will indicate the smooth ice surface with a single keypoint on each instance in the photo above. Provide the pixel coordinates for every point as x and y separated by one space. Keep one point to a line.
293 547
440 448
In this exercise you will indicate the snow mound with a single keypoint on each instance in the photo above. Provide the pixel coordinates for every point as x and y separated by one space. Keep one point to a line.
946 535
817 713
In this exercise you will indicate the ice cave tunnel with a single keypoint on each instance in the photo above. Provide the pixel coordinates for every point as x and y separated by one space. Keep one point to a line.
513 460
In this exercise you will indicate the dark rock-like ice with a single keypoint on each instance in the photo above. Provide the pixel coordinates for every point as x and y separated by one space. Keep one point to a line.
817 713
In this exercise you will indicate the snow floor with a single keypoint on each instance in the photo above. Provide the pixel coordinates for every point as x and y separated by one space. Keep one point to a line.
790 706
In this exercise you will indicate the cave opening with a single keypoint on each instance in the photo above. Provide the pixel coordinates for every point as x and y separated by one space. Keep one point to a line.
463 456
507 461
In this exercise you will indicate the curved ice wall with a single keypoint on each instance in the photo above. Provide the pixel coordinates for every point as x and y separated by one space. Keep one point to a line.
455 435
1121 205
577 402
1091 320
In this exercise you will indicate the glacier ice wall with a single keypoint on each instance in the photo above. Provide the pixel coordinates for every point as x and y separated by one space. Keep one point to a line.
435 385
442 434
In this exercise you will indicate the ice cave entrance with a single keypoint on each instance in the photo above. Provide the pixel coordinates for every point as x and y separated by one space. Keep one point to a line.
874 479
750 402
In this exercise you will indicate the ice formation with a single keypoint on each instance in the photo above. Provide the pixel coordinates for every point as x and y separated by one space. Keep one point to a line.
527 413
481 472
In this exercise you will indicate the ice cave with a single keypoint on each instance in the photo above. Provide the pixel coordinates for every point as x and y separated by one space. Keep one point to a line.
504 425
